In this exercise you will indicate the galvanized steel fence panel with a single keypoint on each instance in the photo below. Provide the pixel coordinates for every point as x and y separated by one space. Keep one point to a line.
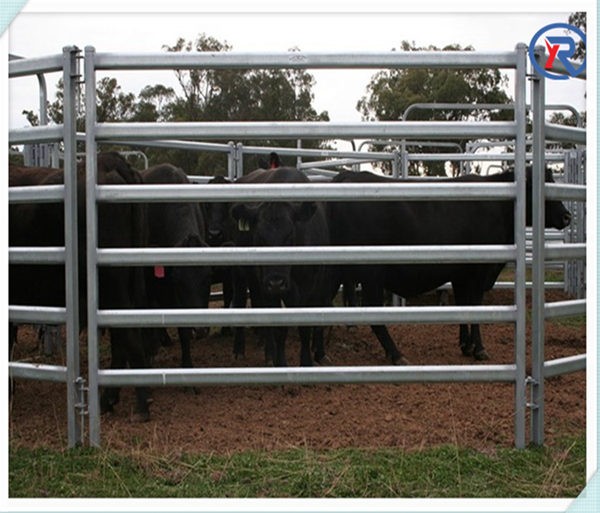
161 134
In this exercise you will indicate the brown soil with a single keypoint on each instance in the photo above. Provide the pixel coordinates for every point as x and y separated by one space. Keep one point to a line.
231 419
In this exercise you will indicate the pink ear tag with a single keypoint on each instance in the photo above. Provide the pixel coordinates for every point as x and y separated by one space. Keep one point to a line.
159 271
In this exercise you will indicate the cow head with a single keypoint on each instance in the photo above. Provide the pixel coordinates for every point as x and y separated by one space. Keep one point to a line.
217 219
269 225
556 215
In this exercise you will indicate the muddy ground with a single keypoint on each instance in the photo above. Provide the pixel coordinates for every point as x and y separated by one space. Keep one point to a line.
236 418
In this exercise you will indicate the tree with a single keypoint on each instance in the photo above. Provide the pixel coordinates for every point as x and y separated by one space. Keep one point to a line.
239 95
390 92
579 19
205 95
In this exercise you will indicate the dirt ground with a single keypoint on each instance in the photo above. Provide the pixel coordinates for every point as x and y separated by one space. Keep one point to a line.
231 419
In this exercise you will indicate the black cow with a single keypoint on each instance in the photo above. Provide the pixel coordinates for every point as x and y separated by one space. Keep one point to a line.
220 232
119 225
283 224
430 223
176 225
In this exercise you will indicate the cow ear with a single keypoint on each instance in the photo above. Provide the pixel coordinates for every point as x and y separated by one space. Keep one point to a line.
243 214
305 211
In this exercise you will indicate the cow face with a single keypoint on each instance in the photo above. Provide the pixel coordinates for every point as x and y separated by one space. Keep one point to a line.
217 219
556 215
270 225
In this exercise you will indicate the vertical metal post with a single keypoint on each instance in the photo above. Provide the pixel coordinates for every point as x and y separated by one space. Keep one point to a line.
299 157
397 162
231 171
520 278
92 244
239 160
537 278
70 79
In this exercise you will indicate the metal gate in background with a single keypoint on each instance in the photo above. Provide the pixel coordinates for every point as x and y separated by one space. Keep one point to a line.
190 133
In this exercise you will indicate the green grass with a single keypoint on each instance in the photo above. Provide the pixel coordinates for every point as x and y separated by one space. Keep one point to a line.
557 471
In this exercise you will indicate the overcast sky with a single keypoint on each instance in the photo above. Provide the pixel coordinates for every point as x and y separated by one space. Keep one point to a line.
337 91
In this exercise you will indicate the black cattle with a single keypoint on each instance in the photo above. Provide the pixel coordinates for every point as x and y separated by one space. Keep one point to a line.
220 232
429 223
282 224
176 225
119 225
273 163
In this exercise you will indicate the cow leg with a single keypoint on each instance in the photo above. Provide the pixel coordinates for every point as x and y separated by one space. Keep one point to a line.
305 356
238 300
461 298
373 296
185 337
319 344
464 339
470 339
227 296
268 337
118 360
137 360
126 347
280 334
479 351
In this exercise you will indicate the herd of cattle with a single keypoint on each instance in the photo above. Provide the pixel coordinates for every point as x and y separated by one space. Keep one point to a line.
277 223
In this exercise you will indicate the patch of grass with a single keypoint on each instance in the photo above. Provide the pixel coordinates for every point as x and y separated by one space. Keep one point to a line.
557 471
573 321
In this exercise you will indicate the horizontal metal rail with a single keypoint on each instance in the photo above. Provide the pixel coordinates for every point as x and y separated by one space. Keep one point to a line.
304 130
566 192
565 308
37 314
36 194
36 134
305 60
35 66
562 251
317 153
565 133
36 255
304 255
384 191
56 373
467 157
565 365
180 145
306 316
307 375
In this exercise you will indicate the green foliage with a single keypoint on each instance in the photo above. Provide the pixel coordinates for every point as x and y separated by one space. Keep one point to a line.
390 92
579 19
556 471
205 95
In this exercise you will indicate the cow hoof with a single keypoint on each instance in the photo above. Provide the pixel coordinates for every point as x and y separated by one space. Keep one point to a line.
324 360
467 350
401 360
481 355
